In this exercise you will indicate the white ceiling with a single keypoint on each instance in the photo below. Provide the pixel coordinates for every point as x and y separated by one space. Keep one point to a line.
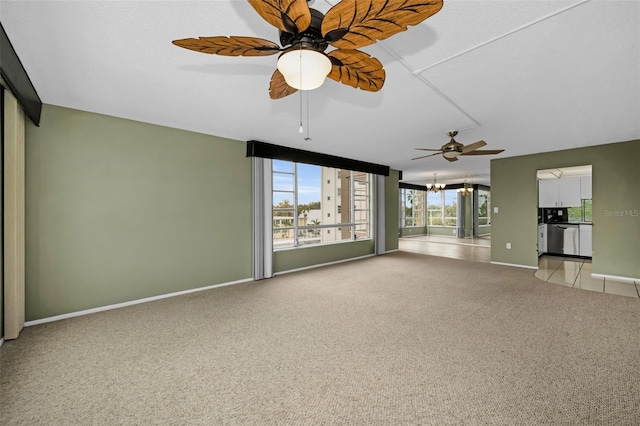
526 76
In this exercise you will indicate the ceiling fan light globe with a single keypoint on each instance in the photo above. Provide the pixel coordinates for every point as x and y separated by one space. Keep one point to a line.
450 154
304 69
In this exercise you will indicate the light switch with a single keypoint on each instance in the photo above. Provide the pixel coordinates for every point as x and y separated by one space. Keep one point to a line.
495 210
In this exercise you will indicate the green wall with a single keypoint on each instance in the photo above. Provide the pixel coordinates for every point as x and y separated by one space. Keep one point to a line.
287 260
429 230
414 230
484 230
441 230
616 205
119 210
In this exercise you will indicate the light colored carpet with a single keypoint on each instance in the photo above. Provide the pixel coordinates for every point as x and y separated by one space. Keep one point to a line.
397 339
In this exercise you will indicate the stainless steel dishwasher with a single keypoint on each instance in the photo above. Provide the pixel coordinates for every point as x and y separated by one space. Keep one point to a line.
563 238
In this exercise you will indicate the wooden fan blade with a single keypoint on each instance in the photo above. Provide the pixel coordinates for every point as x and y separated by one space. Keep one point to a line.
278 88
356 69
230 46
425 156
356 23
473 146
428 149
484 152
451 159
292 16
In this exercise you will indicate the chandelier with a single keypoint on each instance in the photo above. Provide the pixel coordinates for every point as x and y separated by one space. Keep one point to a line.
435 187
466 190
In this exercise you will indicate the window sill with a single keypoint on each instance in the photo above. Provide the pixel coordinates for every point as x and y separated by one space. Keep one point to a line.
332 243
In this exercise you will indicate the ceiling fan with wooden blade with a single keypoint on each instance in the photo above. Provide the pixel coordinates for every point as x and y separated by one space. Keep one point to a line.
305 34
453 149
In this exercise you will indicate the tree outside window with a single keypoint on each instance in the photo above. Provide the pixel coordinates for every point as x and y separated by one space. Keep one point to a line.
450 207
484 207
434 209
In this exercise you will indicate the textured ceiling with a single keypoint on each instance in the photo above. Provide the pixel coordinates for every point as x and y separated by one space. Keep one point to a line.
526 76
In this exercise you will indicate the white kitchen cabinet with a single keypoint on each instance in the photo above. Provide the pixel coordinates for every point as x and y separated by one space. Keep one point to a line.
585 240
585 187
542 239
547 193
563 192
569 192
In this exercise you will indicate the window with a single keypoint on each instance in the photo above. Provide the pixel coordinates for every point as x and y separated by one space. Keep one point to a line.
442 208
412 207
484 207
587 210
300 218
450 207
434 209
584 213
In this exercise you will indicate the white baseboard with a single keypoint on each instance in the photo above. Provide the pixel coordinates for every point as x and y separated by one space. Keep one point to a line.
616 278
323 264
1 341
130 303
514 265
391 251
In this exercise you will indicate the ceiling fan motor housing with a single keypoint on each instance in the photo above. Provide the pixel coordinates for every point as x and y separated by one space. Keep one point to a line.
311 37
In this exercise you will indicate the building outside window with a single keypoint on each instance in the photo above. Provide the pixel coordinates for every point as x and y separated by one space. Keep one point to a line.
319 205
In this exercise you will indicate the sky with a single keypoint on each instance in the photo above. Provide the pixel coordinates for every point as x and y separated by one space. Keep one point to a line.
308 182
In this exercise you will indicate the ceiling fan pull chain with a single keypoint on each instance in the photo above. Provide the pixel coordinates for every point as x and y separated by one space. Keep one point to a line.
301 129
308 138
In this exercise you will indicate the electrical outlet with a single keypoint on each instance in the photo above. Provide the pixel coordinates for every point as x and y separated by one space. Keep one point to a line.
508 246
495 210
454 231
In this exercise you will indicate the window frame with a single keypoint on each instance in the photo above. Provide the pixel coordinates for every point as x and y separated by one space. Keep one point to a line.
421 202
482 191
353 224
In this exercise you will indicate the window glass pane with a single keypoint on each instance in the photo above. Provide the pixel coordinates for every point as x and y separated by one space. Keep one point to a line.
342 197
309 194
282 182
309 236
361 204
282 166
283 199
418 207
587 210
450 207
362 230
484 207
282 238
434 209
575 214
408 207
283 217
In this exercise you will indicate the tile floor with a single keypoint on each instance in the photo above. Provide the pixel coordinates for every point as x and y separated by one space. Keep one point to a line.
476 249
567 271
576 273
